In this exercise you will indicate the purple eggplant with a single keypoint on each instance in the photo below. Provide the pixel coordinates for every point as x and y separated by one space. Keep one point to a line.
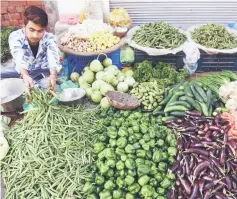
197 151
200 167
195 191
207 195
186 185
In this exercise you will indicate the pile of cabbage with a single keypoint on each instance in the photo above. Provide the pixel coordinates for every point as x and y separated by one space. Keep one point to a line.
100 77
228 93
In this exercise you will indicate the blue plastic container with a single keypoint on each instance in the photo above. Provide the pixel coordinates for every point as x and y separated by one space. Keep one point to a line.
78 63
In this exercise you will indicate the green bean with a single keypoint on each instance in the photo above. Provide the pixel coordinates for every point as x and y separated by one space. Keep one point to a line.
214 36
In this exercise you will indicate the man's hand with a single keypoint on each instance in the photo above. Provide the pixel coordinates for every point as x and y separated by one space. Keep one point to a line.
52 82
28 80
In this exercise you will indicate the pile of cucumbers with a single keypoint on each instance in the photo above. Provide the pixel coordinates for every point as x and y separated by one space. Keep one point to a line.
185 97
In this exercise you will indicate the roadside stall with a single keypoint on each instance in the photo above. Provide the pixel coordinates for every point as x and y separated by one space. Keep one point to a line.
131 118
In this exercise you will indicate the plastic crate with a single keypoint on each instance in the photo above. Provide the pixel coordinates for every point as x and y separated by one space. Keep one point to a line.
78 63
206 63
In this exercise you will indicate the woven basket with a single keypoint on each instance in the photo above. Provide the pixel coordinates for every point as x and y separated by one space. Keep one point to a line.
122 101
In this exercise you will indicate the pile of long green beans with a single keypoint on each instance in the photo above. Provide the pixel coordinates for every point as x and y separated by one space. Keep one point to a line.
214 36
159 35
51 149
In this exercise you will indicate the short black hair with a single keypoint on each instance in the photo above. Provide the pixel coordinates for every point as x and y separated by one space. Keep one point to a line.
37 15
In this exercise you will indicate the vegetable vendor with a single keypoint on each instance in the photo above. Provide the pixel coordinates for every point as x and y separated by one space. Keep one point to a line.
33 49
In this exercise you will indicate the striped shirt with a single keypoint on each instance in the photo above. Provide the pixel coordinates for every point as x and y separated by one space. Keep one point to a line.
47 56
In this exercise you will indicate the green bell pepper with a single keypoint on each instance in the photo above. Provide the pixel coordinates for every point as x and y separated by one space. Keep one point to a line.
156 156
129 196
143 169
90 178
149 154
172 151
152 143
138 136
141 153
98 147
117 194
122 173
123 157
109 153
105 194
119 182
129 149
121 142
141 141
171 160
171 176
109 185
173 143
99 179
119 151
101 155
132 172
132 139
147 190
143 180
112 133
136 128
104 169
146 137
130 164
148 162
146 146
170 137
159 177
162 167
153 169
160 143
136 145
166 183
112 142
122 132
161 191
161 197
111 163
152 132
134 188
139 161
153 182
130 131
102 138
129 180
164 156
144 128
120 165
91 196
110 173
88 188
158 134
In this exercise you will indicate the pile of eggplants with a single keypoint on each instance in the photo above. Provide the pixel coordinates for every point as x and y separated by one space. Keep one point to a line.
206 164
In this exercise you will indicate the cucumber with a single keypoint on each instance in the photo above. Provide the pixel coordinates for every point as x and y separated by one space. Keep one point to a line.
210 111
175 108
196 94
182 103
178 113
209 97
193 103
168 118
204 108
165 101
157 113
183 98
158 108
188 90
200 92
175 97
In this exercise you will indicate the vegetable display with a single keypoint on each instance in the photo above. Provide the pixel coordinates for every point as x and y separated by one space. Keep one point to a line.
100 77
206 162
214 36
163 73
133 156
149 93
159 35
51 150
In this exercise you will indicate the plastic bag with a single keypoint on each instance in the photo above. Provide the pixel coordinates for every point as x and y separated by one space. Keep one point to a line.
127 55
233 25
192 56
